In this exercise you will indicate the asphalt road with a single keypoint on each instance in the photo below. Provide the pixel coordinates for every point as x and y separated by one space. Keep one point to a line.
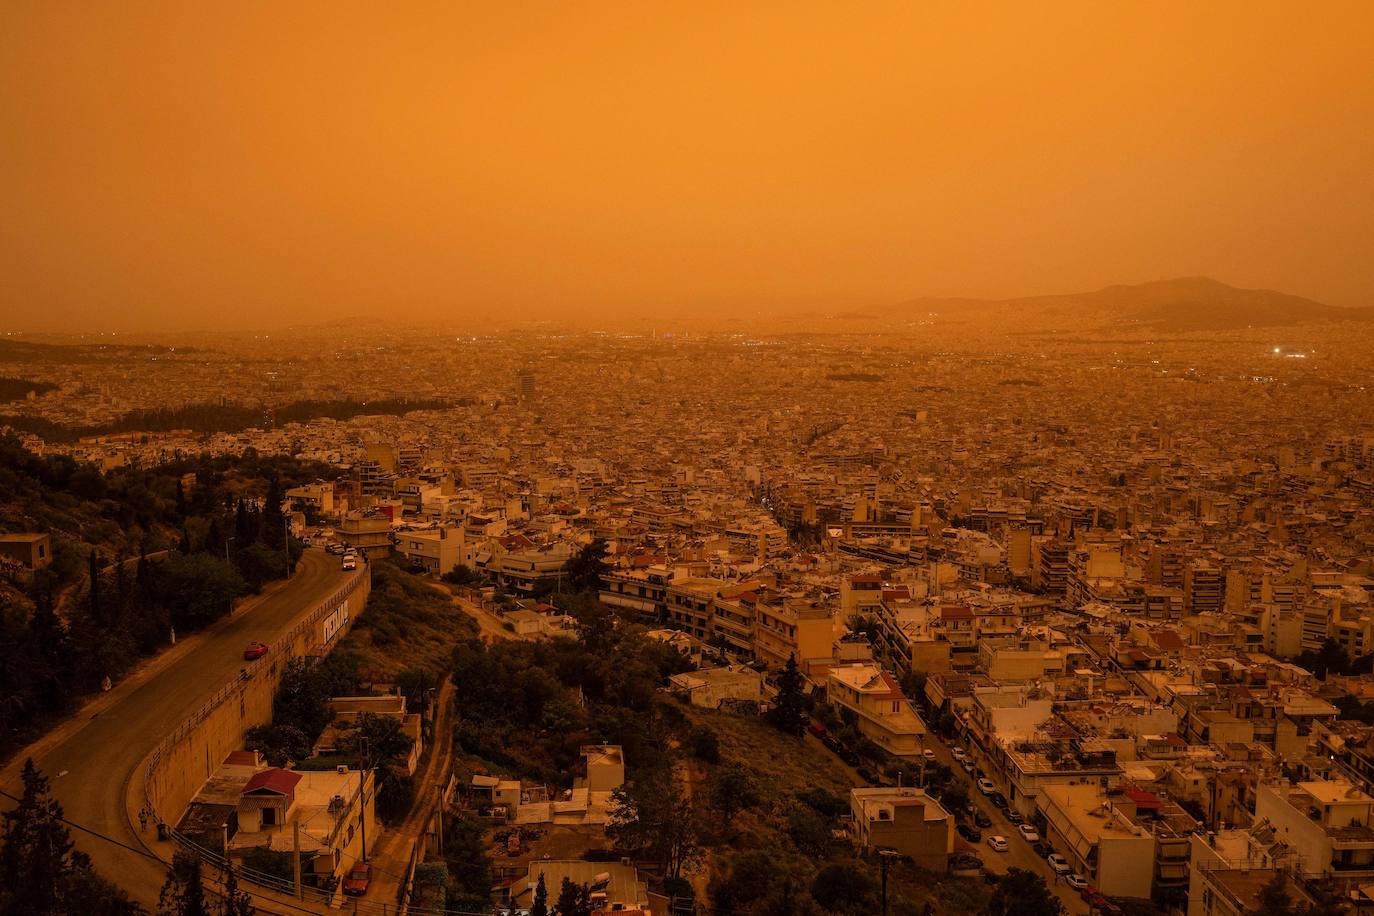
89 762
1019 853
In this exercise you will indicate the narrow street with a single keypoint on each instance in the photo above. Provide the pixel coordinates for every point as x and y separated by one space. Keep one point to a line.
1019 853
391 855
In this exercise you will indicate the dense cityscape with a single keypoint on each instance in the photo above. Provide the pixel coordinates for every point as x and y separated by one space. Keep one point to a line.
686 459
694 622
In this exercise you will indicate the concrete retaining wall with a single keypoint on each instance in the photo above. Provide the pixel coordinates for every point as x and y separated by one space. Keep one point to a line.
181 763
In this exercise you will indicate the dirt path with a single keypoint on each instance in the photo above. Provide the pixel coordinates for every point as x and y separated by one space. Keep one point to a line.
391 855
489 623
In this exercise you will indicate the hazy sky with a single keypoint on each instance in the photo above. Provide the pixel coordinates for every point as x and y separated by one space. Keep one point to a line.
176 165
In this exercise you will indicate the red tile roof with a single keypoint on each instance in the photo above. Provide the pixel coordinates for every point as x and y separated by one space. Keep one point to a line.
283 782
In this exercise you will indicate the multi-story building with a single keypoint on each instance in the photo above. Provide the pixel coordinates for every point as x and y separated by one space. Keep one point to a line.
1101 843
1329 825
880 709
905 819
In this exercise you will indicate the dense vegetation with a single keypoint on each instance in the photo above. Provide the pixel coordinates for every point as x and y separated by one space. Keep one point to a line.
136 554
409 624
16 389
404 639
41 872
218 418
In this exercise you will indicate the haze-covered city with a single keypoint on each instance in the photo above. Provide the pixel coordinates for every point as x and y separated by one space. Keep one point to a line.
675 461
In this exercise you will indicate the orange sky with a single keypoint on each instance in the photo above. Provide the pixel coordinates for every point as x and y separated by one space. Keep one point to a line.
177 165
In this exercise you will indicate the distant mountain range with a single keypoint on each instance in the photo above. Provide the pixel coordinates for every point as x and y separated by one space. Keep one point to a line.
1185 304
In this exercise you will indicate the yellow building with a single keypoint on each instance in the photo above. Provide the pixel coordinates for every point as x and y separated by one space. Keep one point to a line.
884 714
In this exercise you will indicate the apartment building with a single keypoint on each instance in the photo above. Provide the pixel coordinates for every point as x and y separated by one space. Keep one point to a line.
1101 843
792 628
880 709
905 819
436 550
1328 823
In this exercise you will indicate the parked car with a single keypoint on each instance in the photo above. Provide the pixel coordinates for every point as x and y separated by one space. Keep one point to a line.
999 801
965 860
254 650
1016 818
986 787
991 877
336 549
968 766
1042 849
981 819
359 877
1059 864
1076 881
1028 833
929 755
997 843
959 754
817 729
969 832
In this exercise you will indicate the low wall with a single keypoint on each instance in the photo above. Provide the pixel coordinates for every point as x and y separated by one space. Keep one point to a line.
181 763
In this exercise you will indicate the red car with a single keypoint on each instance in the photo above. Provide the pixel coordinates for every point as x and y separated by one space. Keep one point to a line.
355 885
254 651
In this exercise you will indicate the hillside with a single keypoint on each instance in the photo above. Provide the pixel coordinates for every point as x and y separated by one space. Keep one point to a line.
1184 304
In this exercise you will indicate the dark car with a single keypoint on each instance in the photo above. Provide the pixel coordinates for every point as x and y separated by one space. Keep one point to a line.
1042 849
981 819
1016 818
991 877
970 832
254 650
359 877
999 800
965 860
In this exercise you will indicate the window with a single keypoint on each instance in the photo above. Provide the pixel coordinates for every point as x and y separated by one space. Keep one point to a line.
269 816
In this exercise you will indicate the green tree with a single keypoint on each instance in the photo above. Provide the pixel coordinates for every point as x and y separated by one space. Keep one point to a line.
461 574
956 796
540 907
235 902
733 789
573 900
810 831
586 568
651 817
302 699
1023 893
183 893
466 856
41 874
415 685
381 738
196 589
1274 899
844 889
705 745
788 713
279 744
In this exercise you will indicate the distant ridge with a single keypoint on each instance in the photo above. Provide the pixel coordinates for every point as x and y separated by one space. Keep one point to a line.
1183 304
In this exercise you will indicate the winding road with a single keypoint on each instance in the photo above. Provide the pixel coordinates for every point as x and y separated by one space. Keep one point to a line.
90 759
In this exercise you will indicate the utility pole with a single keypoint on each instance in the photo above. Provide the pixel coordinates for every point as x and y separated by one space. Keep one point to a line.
885 857
362 795
439 812
296 858
286 542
